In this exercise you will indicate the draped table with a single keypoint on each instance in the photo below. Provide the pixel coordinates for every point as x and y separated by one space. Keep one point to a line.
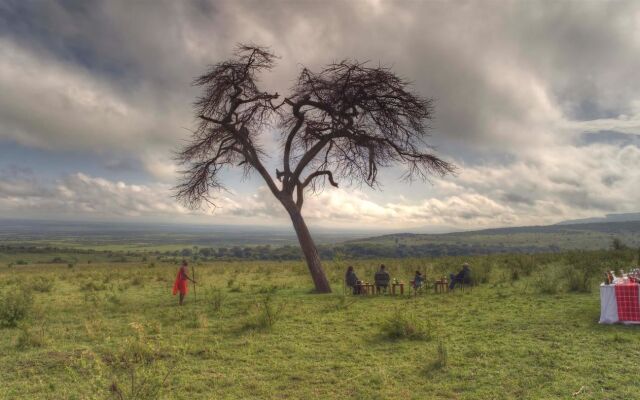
620 303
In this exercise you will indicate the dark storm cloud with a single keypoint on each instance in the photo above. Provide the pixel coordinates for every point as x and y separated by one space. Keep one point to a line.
611 137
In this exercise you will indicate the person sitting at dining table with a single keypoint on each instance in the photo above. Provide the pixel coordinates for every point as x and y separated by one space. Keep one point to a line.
463 277
418 280
381 279
351 280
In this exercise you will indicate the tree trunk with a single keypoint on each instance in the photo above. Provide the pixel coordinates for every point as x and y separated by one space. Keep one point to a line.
308 247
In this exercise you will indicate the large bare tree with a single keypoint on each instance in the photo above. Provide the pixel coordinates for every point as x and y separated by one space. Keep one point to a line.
341 124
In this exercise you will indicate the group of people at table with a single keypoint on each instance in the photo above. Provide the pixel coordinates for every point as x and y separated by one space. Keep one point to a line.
382 279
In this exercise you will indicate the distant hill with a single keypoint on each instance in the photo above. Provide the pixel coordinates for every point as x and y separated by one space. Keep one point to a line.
528 239
626 217
234 242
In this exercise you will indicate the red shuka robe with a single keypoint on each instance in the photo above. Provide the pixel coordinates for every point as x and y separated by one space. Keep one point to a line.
180 285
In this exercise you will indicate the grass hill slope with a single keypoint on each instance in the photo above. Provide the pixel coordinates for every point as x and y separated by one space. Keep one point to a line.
531 239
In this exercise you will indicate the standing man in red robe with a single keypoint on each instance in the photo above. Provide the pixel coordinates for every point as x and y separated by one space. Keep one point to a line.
180 285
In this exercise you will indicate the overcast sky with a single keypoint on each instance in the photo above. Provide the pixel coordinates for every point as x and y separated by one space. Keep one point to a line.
537 102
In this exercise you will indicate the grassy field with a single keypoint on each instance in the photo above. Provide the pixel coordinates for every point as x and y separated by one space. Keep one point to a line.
528 331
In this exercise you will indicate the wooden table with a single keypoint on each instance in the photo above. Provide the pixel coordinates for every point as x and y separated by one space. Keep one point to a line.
393 287
441 285
367 288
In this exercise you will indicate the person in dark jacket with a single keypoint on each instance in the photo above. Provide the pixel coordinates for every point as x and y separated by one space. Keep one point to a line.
462 277
418 280
351 280
381 279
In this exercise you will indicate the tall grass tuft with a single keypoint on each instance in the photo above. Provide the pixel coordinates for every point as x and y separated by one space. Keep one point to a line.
546 282
578 280
29 337
442 356
41 284
138 374
266 314
15 305
482 271
401 325
216 299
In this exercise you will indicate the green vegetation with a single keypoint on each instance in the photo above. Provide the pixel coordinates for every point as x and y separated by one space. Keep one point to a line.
112 330
143 243
533 239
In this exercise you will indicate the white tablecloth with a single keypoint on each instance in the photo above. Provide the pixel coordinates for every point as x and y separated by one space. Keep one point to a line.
608 305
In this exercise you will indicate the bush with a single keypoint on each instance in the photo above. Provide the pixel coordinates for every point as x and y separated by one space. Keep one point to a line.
29 337
138 369
343 302
482 271
14 307
198 321
521 265
267 314
41 284
578 280
546 282
91 286
114 299
137 281
217 299
405 326
442 356
583 267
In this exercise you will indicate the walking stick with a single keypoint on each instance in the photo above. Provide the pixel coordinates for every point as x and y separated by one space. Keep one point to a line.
195 293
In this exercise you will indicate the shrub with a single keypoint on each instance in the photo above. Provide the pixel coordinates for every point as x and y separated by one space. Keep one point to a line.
198 321
217 299
267 314
584 267
401 325
114 299
521 265
93 299
546 282
442 356
29 337
41 284
578 280
91 286
268 289
515 274
14 307
343 302
137 281
482 271
138 373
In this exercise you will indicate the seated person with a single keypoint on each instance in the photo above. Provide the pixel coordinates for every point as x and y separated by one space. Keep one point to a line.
351 280
418 280
462 277
381 279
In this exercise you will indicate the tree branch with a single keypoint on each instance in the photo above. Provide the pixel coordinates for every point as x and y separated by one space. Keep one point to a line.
316 174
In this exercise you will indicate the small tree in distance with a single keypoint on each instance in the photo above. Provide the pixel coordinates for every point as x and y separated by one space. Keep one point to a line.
340 124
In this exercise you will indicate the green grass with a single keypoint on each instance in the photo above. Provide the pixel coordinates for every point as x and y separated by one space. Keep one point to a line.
98 326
